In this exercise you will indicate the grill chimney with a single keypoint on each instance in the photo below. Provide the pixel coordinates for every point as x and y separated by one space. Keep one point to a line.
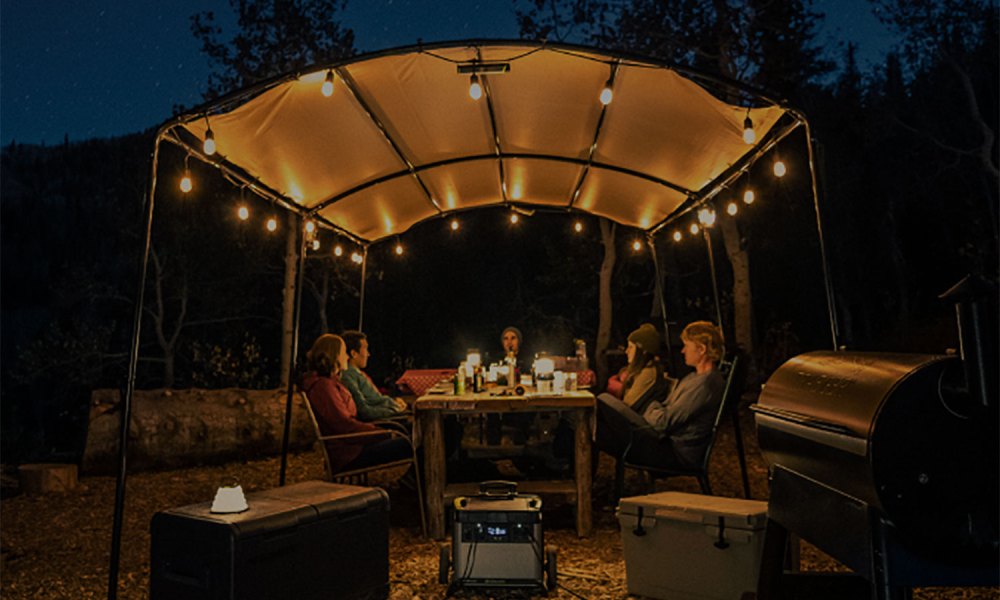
978 352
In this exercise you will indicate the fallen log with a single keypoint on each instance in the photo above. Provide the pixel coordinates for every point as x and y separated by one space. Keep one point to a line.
180 428
43 478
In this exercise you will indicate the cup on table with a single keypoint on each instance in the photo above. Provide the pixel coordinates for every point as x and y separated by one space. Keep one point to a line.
559 382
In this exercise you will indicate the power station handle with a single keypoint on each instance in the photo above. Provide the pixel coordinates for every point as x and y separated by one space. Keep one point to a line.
498 489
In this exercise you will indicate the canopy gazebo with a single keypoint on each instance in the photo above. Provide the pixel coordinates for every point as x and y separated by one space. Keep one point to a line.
372 145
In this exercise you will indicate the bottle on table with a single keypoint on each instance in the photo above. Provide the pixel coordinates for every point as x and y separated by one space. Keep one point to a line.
460 380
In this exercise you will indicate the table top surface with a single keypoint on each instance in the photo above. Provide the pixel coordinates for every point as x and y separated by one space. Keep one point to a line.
499 399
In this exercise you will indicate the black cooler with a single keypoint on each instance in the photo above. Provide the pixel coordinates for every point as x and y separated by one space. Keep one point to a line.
303 541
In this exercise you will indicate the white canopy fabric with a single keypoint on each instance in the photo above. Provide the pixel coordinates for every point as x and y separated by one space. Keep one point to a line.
401 141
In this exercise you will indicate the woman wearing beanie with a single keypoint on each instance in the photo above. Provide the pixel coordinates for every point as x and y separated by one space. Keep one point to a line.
683 418
644 371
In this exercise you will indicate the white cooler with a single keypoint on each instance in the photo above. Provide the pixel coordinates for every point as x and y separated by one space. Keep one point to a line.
674 550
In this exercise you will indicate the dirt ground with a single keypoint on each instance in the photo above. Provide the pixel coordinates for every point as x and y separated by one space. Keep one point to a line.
57 545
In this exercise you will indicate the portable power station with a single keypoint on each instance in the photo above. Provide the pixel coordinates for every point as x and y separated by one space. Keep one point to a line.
497 541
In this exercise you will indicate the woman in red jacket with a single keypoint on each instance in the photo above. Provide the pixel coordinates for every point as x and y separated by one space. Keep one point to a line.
337 414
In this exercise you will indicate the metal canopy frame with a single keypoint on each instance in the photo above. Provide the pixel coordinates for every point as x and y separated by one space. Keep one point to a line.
170 132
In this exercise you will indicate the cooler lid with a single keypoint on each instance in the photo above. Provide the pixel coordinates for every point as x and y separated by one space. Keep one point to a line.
328 498
263 515
738 513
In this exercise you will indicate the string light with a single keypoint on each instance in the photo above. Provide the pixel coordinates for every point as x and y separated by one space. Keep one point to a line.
454 224
749 135
678 236
748 197
209 145
327 88
272 224
514 218
243 212
732 209
475 88
578 227
338 250
607 94
694 229
315 244
310 227
356 257
186 185
399 249
636 246
779 168
706 217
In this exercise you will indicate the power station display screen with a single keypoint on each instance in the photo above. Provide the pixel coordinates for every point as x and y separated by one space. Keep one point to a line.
497 533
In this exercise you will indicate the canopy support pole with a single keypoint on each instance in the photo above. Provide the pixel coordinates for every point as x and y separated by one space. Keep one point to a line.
294 354
126 401
831 302
715 279
663 302
361 301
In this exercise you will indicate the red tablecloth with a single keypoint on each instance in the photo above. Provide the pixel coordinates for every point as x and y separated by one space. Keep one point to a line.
418 381
586 378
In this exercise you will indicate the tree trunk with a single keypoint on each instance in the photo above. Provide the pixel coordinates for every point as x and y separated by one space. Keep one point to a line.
742 296
604 299
288 297
180 428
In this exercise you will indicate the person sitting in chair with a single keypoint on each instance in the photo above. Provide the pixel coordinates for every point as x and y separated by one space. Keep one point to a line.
372 404
684 418
336 412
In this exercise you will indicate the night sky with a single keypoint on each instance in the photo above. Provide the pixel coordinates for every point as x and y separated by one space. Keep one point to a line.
92 68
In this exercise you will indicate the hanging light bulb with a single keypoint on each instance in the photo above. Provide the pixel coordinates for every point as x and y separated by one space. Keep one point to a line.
209 145
338 250
578 227
475 88
732 209
327 88
748 197
454 224
315 244
399 249
636 245
779 168
310 227
694 229
272 224
706 217
749 135
606 93
514 218
186 185
678 236
243 212
356 257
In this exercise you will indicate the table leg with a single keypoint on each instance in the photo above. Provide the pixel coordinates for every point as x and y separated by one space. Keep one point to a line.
434 470
581 428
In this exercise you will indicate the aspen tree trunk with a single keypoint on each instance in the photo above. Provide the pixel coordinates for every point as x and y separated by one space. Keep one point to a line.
605 311
742 296
288 297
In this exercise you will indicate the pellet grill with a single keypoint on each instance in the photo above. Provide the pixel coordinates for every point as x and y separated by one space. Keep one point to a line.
888 463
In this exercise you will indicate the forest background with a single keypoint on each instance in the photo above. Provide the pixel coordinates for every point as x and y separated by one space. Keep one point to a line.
908 181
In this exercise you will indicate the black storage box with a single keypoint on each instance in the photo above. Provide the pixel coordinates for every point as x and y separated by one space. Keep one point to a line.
303 541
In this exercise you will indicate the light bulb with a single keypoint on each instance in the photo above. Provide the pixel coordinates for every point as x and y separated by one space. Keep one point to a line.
694 229
514 218
748 197
706 217
636 245
749 135
607 94
578 227
338 250
243 212
677 236
732 209
186 185
475 88
779 168
399 249
310 226
315 244
355 257
209 146
272 224
454 224
327 88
